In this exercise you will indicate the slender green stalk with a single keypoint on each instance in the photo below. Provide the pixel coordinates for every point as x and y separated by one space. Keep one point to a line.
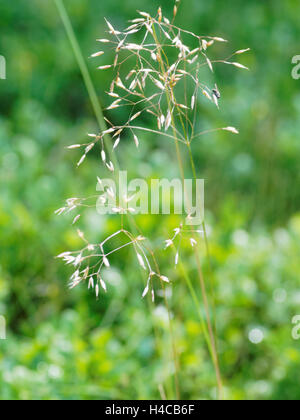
212 340
85 74
174 349
171 328
213 343
202 282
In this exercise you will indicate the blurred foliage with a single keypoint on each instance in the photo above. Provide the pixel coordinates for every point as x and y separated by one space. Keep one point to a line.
64 344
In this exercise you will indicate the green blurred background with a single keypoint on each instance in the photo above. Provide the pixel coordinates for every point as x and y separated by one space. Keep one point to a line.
63 344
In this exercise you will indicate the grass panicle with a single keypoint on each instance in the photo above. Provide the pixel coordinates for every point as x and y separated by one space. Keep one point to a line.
165 84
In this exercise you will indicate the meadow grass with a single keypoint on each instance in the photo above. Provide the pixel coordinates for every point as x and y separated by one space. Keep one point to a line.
164 83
